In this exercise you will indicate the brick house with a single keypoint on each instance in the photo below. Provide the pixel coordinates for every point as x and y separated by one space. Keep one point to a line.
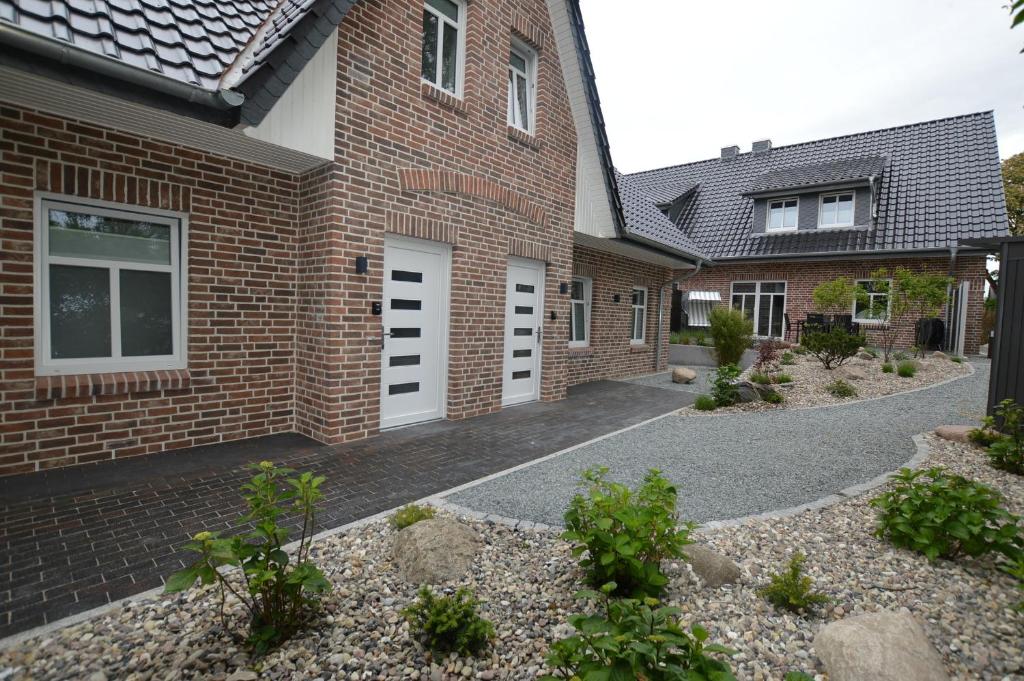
779 221
222 220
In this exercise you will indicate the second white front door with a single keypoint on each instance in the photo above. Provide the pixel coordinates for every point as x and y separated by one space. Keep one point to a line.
414 352
524 319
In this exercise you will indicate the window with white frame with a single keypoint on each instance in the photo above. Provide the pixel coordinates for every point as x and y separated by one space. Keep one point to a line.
522 69
875 306
443 38
639 317
836 210
764 304
782 214
111 290
579 317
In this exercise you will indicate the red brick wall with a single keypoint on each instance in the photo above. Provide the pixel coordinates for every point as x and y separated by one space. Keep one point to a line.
241 297
610 353
802 276
410 160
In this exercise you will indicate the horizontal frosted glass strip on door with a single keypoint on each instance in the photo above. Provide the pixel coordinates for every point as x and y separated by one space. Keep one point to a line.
402 388
524 288
516 375
405 333
403 275
522 353
404 360
523 332
402 304
524 309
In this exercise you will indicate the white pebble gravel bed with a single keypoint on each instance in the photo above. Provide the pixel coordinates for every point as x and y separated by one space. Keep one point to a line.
810 380
525 579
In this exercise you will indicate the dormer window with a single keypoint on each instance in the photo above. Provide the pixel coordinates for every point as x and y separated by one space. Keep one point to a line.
782 214
836 210
443 22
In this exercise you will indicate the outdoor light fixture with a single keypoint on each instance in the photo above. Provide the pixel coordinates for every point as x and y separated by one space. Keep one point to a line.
616 298
563 288
362 264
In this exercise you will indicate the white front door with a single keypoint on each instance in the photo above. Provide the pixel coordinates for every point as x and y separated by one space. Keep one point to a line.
524 317
414 352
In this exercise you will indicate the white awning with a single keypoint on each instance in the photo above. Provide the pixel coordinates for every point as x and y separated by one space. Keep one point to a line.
713 296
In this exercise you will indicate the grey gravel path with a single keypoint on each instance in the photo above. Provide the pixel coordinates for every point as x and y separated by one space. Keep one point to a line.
729 466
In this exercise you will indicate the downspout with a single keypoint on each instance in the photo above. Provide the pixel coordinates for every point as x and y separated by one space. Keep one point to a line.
661 308
949 298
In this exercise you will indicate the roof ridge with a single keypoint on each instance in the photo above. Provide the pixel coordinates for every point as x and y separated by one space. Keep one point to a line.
747 154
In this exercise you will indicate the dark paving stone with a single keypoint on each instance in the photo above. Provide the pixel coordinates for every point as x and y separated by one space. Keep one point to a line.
90 535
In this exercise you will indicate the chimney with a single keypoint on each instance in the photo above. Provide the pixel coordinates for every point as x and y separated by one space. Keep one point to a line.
729 153
761 146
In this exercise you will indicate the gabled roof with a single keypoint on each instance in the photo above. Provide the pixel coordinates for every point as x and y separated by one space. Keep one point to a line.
207 52
940 183
646 221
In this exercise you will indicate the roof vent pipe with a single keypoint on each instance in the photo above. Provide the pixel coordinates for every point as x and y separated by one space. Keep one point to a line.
761 146
729 153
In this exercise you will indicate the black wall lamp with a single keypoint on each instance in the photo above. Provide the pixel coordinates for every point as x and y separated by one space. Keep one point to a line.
362 264
616 298
563 288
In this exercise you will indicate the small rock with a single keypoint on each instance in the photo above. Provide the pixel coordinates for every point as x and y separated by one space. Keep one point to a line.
851 373
938 354
883 646
954 433
242 675
863 354
713 568
435 550
683 375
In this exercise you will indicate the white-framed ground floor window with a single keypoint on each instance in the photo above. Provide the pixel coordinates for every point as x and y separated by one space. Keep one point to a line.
764 303
579 313
110 289
638 320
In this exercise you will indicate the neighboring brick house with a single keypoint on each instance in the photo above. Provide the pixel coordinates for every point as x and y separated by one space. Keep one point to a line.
779 221
227 219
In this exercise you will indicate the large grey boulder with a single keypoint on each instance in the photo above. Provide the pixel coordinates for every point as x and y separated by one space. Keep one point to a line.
851 373
954 433
752 392
713 568
881 646
435 551
683 375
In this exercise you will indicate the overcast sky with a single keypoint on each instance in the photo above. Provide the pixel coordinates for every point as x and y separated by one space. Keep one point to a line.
681 79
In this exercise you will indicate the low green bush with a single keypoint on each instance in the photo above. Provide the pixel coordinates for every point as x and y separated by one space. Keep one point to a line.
943 515
906 369
834 347
840 388
1007 451
956 359
872 352
279 592
788 359
793 590
731 334
797 676
774 397
900 356
701 340
410 515
799 350
763 379
783 378
723 385
449 624
626 533
634 639
887 368
705 403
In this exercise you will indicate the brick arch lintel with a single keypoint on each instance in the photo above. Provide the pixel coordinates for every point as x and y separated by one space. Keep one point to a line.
452 182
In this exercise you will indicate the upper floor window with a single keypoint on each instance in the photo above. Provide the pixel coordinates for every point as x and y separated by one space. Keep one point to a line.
522 63
836 210
639 319
111 290
579 315
782 214
443 37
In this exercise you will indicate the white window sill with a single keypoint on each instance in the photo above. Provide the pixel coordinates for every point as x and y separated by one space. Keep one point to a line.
781 231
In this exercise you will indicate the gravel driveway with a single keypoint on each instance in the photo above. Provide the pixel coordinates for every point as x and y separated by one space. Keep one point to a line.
733 465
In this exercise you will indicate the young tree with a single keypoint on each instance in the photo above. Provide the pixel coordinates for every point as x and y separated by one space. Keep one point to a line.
918 296
1013 187
837 296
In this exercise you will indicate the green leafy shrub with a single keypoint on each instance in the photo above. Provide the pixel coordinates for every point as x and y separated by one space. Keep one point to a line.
956 359
626 533
449 624
1007 452
763 379
279 593
900 356
800 350
635 639
685 340
887 368
872 352
723 385
792 590
783 378
701 340
410 515
705 403
788 359
834 347
797 676
774 397
945 516
840 388
906 369
731 334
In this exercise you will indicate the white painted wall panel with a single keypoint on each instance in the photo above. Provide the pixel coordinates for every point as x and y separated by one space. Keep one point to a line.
303 119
